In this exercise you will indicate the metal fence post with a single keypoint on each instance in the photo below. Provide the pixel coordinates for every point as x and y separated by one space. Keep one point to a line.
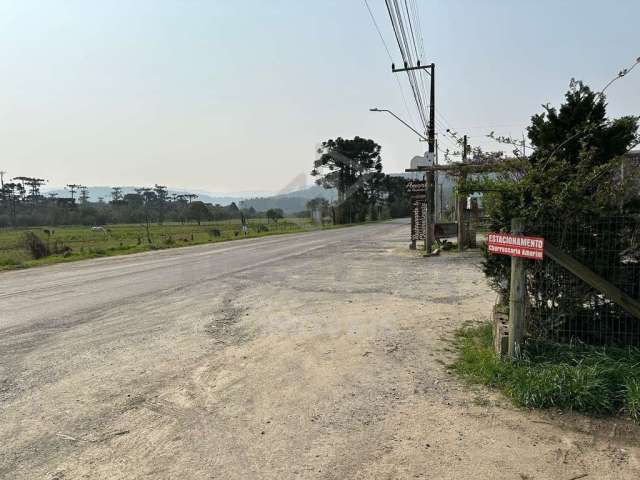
517 295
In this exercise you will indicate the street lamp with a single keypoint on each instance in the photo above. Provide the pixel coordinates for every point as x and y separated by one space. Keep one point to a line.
422 137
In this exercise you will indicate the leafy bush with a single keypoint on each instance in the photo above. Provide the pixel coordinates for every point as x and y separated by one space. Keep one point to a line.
573 377
572 175
215 232
35 246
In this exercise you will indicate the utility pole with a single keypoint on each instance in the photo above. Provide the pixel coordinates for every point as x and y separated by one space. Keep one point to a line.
462 199
431 134
431 176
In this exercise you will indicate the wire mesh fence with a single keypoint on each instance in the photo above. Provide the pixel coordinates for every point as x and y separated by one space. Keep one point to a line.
563 307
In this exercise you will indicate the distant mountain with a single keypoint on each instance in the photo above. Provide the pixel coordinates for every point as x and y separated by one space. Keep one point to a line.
290 202
95 193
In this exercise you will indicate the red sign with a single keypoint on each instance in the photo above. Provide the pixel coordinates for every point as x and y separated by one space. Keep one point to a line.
516 245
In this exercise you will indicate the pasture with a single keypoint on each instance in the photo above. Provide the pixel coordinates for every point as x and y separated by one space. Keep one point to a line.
69 243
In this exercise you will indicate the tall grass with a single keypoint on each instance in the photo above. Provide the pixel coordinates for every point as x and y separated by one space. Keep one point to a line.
601 380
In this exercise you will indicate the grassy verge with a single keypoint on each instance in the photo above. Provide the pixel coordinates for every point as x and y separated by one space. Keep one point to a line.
79 242
598 380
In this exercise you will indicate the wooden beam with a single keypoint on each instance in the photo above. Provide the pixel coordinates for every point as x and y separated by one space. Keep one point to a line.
506 164
629 304
517 296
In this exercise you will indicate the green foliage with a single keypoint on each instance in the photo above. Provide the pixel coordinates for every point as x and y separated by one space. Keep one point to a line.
319 204
352 167
199 212
572 175
275 214
632 398
22 205
35 246
573 377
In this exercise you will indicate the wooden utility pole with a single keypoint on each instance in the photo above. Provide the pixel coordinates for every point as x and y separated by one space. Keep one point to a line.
431 138
517 296
431 176
462 200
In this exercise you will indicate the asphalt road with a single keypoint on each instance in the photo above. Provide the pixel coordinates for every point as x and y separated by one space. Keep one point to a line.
61 294
316 355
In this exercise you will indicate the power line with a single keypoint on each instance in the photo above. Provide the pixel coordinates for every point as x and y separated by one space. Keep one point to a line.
418 52
395 17
411 62
375 24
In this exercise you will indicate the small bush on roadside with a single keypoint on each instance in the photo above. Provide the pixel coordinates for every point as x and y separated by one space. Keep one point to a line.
572 377
262 228
35 246
9 262
215 232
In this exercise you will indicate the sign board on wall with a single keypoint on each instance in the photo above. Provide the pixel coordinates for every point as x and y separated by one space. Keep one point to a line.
516 245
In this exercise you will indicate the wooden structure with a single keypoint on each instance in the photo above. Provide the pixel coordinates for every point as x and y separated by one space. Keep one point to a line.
417 192
517 296
462 171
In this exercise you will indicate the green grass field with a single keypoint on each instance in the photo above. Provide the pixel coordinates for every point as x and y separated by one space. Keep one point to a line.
122 239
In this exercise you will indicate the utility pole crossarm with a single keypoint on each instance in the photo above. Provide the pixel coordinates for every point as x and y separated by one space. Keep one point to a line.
408 69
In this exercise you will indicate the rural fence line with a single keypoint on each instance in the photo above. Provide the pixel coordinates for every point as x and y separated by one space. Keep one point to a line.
563 307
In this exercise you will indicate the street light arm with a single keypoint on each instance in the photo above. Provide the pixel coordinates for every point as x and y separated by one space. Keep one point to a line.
401 120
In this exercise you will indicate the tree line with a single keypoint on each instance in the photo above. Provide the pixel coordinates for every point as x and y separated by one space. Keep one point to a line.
364 193
22 204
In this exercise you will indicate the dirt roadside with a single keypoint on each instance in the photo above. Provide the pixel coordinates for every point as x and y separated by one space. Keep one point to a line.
327 365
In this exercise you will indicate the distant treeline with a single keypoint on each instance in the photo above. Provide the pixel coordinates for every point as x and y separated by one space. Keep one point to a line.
286 204
23 205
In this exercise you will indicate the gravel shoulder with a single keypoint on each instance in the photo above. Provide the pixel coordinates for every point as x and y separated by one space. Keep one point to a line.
320 355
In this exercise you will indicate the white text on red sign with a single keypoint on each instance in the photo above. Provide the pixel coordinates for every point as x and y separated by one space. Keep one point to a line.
516 245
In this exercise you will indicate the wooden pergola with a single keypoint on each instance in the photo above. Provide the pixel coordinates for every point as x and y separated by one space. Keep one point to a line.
461 170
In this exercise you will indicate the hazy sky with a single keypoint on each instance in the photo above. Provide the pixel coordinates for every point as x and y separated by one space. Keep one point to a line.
236 95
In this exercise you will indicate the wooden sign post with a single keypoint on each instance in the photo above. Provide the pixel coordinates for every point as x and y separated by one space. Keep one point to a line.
518 247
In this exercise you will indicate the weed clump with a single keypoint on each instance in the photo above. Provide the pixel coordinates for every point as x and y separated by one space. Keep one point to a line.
546 375
35 246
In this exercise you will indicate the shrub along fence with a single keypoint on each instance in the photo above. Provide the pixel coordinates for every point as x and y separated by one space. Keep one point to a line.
587 287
